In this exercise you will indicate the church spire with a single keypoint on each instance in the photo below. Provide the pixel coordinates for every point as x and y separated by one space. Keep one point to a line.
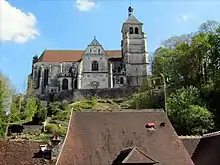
130 11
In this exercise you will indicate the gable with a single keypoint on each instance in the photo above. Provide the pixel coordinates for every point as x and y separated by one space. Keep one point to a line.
94 49
136 156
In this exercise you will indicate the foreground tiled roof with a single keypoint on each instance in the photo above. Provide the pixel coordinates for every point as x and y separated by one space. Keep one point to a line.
20 153
97 138
70 55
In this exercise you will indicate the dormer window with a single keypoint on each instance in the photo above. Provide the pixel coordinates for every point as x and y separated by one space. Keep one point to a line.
131 30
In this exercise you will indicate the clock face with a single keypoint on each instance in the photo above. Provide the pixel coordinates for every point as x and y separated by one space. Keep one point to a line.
95 49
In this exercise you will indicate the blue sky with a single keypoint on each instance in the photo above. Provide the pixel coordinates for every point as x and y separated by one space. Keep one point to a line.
28 27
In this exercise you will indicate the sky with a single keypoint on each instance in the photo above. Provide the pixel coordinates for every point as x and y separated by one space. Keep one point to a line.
28 27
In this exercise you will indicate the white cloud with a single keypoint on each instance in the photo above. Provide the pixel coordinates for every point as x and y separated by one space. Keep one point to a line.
184 18
86 5
16 26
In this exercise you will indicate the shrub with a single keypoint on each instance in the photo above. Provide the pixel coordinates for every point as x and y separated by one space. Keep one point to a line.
86 104
55 129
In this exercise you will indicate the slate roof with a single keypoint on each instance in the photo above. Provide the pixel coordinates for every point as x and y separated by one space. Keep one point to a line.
132 20
21 153
207 150
97 138
70 55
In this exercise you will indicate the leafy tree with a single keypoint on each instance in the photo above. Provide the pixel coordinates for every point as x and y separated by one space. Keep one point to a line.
6 91
187 113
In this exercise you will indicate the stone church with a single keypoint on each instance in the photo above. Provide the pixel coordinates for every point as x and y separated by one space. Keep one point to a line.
63 70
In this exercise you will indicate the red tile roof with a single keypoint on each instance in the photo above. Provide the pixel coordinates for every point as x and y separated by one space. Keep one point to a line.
99 137
21 153
70 55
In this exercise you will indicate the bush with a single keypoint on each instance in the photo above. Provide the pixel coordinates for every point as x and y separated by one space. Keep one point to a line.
187 113
62 116
148 99
86 104
55 129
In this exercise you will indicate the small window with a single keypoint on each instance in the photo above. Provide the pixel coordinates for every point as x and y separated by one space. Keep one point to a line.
131 30
65 84
95 66
136 30
99 50
90 50
121 80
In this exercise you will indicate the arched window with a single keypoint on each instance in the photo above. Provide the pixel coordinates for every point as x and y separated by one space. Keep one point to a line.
38 78
65 84
121 80
46 74
131 30
136 30
95 66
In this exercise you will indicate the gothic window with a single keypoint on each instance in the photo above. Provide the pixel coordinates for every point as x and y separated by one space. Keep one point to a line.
136 30
65 84
95 66
121 80
38 78
131 30
46 74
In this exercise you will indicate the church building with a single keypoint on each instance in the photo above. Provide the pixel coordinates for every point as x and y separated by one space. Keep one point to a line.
95 67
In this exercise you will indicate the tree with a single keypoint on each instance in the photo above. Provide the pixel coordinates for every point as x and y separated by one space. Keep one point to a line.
5 103
187 113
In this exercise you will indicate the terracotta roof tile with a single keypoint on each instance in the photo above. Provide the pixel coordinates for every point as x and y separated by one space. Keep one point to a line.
99 137
70 55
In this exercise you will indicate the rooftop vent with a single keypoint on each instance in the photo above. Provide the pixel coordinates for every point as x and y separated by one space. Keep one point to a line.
150 126
55 140
163 124
43 147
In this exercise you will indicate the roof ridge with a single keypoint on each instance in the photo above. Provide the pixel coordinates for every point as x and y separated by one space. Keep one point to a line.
211 134
124 110
190 137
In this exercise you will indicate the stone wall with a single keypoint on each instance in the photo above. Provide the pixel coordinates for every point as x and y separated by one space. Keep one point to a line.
103 93
32 129
78 94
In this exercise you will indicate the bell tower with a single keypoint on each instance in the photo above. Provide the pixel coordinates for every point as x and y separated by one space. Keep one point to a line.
134 50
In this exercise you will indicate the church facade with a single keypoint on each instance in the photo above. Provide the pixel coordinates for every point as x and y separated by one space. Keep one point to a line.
94 68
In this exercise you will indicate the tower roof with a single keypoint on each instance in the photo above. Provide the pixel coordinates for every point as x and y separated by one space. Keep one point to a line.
131 18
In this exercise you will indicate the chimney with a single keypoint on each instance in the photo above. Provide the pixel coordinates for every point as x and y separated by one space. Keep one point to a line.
55 140
150 126
43 147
